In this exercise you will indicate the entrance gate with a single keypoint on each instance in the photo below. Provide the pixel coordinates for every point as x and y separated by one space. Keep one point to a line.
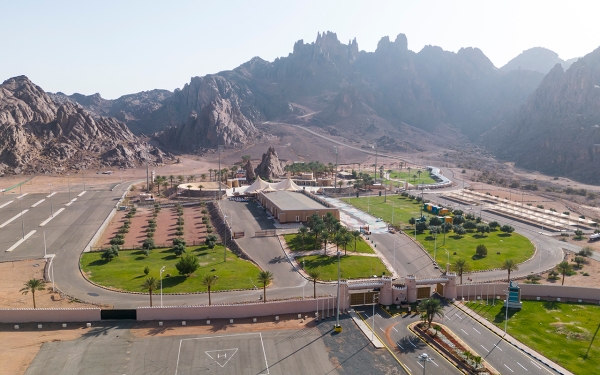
440 289
113 314
363 298
423 292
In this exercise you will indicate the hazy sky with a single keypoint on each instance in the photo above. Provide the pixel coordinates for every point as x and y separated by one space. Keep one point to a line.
122 47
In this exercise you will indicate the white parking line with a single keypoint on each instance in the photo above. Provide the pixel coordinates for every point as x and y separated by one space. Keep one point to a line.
80 194
38 202
19 197
13 218
51 217
49 196
476 330
522 366
464 331
533 363
21 241
6 204
508 368
484 348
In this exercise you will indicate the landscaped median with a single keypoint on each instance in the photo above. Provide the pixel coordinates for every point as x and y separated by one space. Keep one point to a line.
126 272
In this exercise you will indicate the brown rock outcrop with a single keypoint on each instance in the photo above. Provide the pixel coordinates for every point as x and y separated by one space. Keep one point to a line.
269 166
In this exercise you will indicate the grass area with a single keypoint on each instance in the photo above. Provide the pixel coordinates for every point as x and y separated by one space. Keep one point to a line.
425 178
563 332
351 267
295 244
126 271
513 246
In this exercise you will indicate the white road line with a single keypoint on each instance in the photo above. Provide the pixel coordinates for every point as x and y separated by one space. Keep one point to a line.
394 328
80 194
508 368
6 204
49 196
458 316
19 197
484 348
265 353
13 218
378 315
401 347
496 345
533 363
464 331
411 343
51 217
381 329
420 364
21 241
522 366
38 202
476 330
71 202
435 363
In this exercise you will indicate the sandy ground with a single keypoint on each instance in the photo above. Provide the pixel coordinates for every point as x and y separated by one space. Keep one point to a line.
12 277
20 347
592 267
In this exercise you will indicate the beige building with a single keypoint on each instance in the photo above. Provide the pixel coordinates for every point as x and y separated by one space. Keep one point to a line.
293 207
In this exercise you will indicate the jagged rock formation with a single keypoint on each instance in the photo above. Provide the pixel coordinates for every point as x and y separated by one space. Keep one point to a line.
250 176
269 166
557 129
40 135
537 59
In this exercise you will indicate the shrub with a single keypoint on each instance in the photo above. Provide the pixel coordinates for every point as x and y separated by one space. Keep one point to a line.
187 265
211 241
150 235
204 211
469 225
117 241
478 220
151 221
179 233
147 252
458 219
578 234
470 217
493 225
110 254
178 249
482 228
566 213
586 252
146 270
540 206
435 221
580 261
481 251
418 199
459 230
150 229
421 227
533 279
507 229
553 275
178 241
126 222
457 212
209 230
123 230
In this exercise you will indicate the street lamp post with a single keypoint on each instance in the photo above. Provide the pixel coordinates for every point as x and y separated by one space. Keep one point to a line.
448 253
161 293
506 315
337 315
394 265
373 330
22 220
50 196
51 257
424 358
393 209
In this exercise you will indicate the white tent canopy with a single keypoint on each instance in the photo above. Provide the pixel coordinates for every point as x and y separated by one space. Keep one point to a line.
257 186
287 185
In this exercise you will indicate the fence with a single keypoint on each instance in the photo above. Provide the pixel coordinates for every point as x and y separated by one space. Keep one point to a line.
49 315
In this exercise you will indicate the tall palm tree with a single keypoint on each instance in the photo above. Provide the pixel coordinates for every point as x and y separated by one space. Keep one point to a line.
203 176
200 187
32 286
355 234
564 268
431 307
209 281
324 236
347 240
302 233
165 184
150 285
171 178
461 266
210 171
340 183
419 173
265 277
314 275
510 265
189 190
408 168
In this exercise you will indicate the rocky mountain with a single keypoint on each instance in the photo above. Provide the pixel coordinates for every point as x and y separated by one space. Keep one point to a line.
130 109
269 166
557 130
40 135
537 59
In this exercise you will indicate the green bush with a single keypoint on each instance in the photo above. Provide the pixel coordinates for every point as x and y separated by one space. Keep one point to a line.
110 254
481 251
148 244
187 265
146 270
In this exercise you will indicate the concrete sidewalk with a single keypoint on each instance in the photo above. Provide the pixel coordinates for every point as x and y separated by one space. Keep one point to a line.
366 330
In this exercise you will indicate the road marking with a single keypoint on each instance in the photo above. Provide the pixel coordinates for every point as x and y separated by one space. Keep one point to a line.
458 316
21 241
38 202
221 355
464 331
435 363
476 330
508 368
378 315
49 196
381 329
80 194
6 204
484 348
522 366
71 202
533 363
496 345
394 328
410 342
401 347
22 196
420 364
13 218
265 353
52 217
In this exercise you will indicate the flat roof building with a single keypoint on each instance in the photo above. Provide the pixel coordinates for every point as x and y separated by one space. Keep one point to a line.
290 207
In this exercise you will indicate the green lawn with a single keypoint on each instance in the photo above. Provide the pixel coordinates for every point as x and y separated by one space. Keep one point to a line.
295 244
513 246
126 271
425 178
351 267
562 332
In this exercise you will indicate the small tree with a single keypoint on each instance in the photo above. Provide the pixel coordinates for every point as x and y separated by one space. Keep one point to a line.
564 268
460 267
431 307
146 270
150 285
458 219
494 225
302 234
459 230
179 249
586 252
578 234
208 281
210 241
533 279
510 265
481 251
314 275
434 221
482 228
507 229
580 261
265 277
110 254
148 244
33 285
187 265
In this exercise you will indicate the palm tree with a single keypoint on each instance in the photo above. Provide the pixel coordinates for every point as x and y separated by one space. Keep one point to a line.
302 233
346 241
32 286
265 277
171 178
510 265
189 190
340 183
208 281
419 173
461 266
203 176
165 184
210 171
200 187
408 168
150 284
314 275
414 179
564 268
431 307
223 172
324 239
355 234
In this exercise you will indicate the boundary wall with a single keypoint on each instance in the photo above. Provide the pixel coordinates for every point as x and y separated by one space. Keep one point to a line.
49 315
257 309
531 291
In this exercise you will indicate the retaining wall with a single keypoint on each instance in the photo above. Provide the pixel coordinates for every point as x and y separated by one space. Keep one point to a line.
234 311
49 315
532 291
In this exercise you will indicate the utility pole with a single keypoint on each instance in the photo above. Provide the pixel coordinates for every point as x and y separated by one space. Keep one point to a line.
336 168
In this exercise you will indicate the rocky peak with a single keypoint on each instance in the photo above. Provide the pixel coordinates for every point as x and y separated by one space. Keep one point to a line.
249 171
398 45
269 166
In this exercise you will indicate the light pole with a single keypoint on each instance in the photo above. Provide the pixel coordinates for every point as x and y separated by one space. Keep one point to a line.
337 315
50 196
44 243
373 330
424 358
51 257
22 221
336 168
161 271
219 147
225 250
506 306
435 247
83 175
448 253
